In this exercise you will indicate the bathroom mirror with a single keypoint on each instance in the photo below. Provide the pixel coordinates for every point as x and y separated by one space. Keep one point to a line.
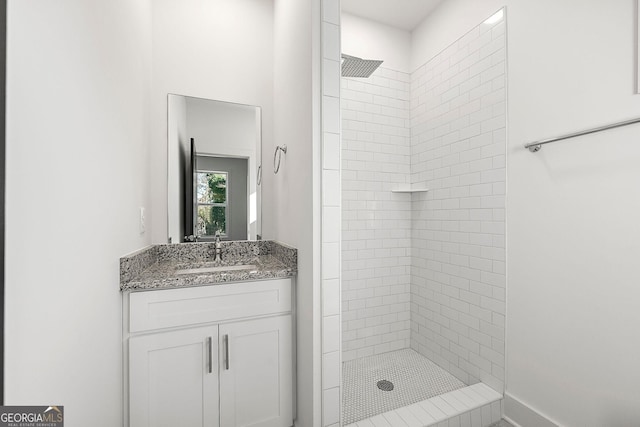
214 170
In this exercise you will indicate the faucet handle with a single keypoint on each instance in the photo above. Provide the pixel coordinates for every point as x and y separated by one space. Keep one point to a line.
218 251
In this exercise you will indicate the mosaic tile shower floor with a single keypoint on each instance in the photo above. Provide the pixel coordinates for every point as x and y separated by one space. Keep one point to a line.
414 378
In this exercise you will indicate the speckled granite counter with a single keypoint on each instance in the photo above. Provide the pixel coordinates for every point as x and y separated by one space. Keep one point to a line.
163 266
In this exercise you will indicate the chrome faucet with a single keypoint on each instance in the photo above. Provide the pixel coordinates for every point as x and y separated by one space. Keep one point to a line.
218 253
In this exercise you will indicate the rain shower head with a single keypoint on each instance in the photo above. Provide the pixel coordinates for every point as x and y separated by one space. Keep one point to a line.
358 67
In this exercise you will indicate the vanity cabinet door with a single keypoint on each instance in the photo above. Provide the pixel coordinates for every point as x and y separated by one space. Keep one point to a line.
174 379
256 373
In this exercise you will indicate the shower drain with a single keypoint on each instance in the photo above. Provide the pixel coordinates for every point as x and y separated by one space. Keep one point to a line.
385 385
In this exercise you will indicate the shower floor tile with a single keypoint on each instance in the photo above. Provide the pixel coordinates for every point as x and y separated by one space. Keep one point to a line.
414 378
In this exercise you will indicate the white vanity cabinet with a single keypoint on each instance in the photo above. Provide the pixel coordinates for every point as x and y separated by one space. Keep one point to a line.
214 356
171 381
256 384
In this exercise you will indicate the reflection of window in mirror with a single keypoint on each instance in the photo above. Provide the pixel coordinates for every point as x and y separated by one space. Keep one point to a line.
211 203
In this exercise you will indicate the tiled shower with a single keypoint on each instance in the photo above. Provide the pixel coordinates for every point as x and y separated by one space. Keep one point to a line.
425 270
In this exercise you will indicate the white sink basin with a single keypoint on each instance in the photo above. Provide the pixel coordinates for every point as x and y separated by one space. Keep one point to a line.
217 269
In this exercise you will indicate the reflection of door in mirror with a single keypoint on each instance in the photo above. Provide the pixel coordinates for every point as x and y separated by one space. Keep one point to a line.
188 213
229 135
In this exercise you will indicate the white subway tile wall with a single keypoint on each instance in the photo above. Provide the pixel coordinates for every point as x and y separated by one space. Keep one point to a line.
457 247
376 224
331 215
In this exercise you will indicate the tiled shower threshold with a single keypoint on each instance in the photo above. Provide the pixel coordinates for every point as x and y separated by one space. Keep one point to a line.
473 406
423 394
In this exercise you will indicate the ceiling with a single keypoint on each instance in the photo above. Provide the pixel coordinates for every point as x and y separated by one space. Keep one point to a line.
403 14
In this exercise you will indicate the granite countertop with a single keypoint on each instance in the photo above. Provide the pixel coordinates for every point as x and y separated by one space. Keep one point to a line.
190 264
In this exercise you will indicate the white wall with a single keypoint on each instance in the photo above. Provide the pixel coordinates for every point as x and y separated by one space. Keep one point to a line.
446 24
376 223
222 128
77 172
295 188
371 40
219 50
572 232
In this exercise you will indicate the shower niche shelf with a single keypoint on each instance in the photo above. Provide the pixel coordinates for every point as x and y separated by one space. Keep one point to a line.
408 189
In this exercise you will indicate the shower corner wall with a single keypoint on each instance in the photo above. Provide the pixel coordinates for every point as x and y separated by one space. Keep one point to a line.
331 364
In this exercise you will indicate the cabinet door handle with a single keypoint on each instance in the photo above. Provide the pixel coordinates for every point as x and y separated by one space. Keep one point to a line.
226 352
210 348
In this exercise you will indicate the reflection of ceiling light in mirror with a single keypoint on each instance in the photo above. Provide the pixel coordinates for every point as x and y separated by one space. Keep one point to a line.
495 17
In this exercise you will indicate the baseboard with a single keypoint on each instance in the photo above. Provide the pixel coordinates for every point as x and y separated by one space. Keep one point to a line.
520 415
